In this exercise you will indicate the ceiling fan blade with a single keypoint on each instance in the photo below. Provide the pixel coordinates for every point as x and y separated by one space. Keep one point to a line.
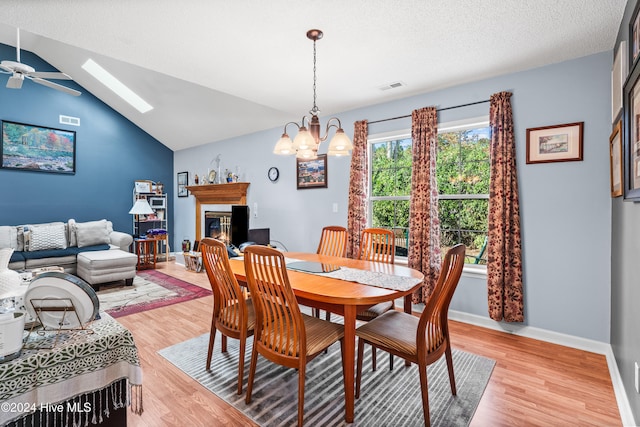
15 81
5 69
50 75
55 86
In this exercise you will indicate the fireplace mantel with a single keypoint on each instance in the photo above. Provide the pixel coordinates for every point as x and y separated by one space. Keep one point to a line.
233 193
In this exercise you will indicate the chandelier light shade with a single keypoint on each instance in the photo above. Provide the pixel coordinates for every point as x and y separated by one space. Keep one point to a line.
306 143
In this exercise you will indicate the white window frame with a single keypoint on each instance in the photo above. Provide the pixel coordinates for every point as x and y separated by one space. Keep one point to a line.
469 270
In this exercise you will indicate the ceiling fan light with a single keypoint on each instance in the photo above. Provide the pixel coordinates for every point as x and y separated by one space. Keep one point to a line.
15 81
284 146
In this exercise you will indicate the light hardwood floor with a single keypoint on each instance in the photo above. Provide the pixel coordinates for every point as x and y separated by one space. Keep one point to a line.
534 383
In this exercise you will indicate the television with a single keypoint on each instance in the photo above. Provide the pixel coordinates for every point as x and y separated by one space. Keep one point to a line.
260 236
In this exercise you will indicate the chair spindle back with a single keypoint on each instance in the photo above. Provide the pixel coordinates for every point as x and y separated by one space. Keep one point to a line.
333 241
377 244
280 327
229 305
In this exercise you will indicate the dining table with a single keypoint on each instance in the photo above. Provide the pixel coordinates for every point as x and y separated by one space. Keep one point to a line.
354 287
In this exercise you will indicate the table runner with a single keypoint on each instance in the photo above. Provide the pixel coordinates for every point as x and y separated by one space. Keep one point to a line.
81 363
366 277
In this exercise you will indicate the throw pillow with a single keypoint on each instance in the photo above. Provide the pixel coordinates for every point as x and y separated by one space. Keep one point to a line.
20 233
41 237
72 232
92 233
8 237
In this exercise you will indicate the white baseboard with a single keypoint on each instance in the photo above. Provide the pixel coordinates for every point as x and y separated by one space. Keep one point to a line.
561 339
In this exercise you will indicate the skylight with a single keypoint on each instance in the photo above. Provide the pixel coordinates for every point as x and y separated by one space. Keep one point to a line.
110 81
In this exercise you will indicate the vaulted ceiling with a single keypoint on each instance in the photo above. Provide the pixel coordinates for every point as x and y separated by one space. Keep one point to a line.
216 69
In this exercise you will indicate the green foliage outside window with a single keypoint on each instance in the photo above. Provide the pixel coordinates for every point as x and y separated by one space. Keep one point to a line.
462 170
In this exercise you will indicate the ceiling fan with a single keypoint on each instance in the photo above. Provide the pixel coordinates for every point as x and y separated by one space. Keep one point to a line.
20 71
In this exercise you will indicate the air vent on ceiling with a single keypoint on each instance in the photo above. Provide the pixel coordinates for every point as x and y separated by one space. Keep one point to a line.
68 120
393 85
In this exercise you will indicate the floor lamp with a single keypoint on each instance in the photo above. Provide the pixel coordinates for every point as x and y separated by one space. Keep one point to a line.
140 207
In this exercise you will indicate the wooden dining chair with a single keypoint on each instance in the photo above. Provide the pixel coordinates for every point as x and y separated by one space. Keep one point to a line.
420 340
333 242
283 334
233 313
377 244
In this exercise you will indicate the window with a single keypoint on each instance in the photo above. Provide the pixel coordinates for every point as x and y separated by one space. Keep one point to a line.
463 184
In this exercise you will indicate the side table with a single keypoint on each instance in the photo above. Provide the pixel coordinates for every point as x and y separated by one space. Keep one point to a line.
159 238
146 251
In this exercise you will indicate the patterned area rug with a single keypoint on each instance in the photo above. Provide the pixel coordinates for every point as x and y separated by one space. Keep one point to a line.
151 289
388 398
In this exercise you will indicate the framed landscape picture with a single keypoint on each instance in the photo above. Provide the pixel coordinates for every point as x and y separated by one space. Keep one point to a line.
38 149
557 143
312 173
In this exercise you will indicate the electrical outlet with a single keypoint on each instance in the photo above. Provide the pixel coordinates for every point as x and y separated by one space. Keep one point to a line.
255 209
335 207
637 371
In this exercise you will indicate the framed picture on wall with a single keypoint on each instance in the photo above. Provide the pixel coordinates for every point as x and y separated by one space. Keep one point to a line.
312 173
38 149
631 137
634 35
618 75
557 143
183 181
615 160
143 186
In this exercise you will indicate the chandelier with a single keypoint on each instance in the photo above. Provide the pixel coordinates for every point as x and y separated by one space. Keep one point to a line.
305 144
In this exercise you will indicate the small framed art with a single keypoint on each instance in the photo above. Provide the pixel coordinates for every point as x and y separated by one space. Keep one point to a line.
143 186
615 160
183 181
558 143
312 173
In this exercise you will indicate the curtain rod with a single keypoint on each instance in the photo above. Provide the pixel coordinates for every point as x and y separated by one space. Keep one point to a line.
439 109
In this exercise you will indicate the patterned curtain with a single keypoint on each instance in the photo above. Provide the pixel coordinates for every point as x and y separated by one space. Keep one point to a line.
358 188
424 225
504 249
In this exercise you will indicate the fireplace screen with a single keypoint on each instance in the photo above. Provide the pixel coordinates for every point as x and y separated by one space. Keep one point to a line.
218 225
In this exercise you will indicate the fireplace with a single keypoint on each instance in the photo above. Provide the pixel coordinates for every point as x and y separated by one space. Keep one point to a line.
233 193
218 225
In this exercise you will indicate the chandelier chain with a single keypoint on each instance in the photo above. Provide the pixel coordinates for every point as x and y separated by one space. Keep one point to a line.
315 109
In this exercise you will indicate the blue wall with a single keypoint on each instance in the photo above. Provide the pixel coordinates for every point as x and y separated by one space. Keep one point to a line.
111 153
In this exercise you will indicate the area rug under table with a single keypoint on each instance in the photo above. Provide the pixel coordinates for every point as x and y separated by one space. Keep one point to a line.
151 289
388 398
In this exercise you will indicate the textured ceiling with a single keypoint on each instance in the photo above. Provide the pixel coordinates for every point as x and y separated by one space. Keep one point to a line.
229 68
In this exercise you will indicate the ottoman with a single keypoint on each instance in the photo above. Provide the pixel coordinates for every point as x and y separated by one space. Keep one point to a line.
97 267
